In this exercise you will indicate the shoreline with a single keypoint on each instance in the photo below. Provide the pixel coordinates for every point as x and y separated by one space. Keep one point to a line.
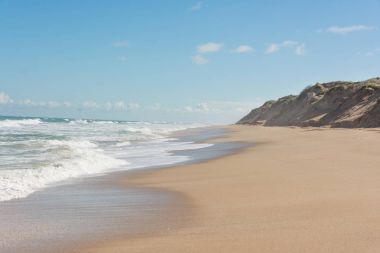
78 212
295 190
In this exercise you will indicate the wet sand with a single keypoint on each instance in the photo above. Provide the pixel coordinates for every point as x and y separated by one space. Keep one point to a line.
294 190
79 212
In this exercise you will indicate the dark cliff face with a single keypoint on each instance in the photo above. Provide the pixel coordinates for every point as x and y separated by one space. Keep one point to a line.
335 104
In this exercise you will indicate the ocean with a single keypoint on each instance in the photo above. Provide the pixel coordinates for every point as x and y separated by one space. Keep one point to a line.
36 153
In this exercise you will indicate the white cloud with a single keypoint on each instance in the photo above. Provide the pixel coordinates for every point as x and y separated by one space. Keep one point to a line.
27 102
5 99
233 107
199 59
289 43
203 107
121 106
299 48
243 49
30 103
348 29
273 48
224 107
156 107
90 104
53 104
188 108
108 106
48 104
120 43
196 7
210 47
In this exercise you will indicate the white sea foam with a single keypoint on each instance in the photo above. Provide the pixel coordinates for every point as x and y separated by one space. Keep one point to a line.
77 158
36 154
123 144
9 123
143 130
79 121
104 122
159 153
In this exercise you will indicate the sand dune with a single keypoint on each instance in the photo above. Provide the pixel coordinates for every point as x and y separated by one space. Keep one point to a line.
335 104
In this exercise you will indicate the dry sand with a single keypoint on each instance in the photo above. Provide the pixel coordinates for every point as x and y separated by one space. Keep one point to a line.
295 190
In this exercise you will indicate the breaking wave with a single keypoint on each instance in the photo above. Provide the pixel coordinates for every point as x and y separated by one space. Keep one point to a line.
39 152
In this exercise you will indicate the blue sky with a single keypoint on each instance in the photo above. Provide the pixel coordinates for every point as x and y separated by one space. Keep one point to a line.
177 60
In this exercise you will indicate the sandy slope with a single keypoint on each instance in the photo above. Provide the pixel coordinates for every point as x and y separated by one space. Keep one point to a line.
296 190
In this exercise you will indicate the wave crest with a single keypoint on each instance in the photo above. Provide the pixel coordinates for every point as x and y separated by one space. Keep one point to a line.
78 158
13 123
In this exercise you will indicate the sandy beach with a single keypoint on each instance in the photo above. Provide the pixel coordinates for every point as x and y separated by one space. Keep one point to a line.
293 190
189 126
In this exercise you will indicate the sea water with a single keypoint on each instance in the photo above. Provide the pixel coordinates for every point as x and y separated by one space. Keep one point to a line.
40 152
